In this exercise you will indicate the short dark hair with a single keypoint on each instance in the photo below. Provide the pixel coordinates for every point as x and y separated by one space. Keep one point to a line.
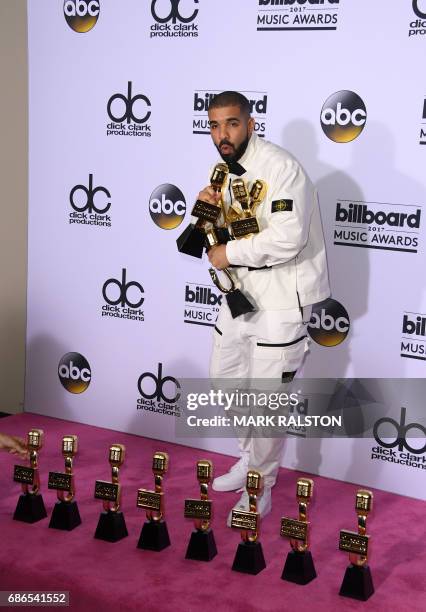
231 98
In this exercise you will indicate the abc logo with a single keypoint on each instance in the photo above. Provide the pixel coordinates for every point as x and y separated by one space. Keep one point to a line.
174 13
74 372
86 200
329 324
159 386
343 116
81 15
399 433
167 206
127 104
121 297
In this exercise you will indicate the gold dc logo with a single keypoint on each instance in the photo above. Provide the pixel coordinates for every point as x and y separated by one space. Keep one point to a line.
81 15
167 206
343 116
74 372
329 324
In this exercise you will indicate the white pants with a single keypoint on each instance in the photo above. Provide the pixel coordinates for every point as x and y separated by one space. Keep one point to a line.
264 344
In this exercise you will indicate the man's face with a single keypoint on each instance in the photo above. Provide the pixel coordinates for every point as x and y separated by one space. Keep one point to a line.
230 130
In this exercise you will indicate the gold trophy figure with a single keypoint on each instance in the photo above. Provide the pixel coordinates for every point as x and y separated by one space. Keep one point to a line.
111 525
30 507
247 224
154 534
202 545
193 239
249 557
65 513
357 582
299 565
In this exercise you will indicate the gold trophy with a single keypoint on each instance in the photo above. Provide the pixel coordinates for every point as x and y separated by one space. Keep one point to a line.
154 534
357 582
193 239
202 545
299 566
249 557
246 223
30 507
65 513
111 525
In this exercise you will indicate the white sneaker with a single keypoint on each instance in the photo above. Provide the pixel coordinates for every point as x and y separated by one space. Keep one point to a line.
235 478
264 504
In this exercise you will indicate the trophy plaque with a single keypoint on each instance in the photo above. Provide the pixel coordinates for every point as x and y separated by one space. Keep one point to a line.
111 525
202 545
299 566
193 238
30 507
65 513
357 582
154 534
249 557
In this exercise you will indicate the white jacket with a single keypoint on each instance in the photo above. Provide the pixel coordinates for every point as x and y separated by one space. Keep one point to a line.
290 242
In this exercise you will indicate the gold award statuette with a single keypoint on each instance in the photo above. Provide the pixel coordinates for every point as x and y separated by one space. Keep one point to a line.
111 526
154 534
202 545
357 582
30 507
299 565
65 512
249 557
243 220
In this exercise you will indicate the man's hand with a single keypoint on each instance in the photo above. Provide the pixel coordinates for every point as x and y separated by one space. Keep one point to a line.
217 256
208 194
14 445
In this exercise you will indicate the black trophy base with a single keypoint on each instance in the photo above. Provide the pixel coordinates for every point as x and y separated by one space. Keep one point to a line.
249 558
154 536
299 567
111 527
202 546
238 303
357 583
65 516
30 508
192 241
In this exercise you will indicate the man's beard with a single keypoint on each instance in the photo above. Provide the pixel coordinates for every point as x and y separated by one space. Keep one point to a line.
238 152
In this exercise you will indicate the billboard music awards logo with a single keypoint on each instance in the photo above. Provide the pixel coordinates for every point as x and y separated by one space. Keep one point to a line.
343 116
158 393
86 209
329 324
418 25
167 206
174 19
395 446
202 98
297 15
422 139
413 341
74 372
377 225
123 298
202 303
81 15
129 114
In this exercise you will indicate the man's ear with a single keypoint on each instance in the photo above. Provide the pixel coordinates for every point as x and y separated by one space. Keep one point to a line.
250 126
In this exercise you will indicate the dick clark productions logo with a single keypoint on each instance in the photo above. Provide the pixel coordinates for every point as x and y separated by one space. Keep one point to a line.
81 15
174 18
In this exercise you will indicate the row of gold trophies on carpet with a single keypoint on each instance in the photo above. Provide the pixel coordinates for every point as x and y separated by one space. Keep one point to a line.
299 566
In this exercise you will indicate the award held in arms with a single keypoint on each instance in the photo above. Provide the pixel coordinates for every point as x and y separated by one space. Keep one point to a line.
65 513
249 557
111 525
299 565
202 545
154 534
357 582
30 507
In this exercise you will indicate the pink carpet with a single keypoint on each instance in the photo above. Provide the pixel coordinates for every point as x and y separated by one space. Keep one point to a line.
120 576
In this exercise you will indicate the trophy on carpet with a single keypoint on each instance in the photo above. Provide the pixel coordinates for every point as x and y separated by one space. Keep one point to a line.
193 239
357 582
30 507
249 557
299 566
154 534
111 525
202 545
65 513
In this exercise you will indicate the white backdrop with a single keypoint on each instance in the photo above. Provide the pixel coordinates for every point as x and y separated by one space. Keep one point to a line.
369 50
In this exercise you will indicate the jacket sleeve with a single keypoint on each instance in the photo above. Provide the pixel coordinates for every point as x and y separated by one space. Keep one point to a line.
287 231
